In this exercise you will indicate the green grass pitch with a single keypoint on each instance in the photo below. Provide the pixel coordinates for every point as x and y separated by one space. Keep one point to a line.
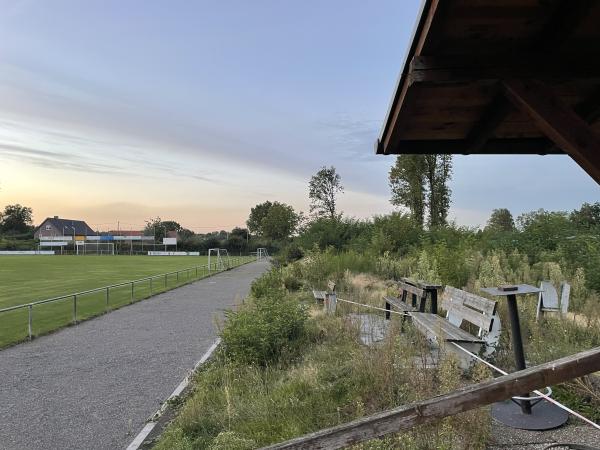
25 279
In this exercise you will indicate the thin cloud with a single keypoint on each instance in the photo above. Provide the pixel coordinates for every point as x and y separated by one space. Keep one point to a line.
75 162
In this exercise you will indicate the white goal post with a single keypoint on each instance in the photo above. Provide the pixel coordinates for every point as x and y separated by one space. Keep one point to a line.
261 254
94 248
222 256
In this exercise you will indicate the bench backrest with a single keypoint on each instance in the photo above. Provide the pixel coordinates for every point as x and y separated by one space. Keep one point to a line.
412 289
548 296
331 286
564 297
462 305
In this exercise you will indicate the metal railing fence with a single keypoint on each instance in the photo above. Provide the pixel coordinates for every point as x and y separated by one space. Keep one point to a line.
146 287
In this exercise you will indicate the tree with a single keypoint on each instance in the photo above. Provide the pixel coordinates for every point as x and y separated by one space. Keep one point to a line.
323 189
16 219
257 214
280 222
273 220
588 216
438 173
408 185
500 220
158 228
420 183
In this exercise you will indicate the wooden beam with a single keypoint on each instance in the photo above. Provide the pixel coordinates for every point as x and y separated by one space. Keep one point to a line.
431 33
589 109
558 122
483 130
470 69
517 146
427 411
563 21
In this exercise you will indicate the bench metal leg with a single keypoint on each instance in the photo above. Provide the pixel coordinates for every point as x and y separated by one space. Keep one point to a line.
517 343
387 311
434 301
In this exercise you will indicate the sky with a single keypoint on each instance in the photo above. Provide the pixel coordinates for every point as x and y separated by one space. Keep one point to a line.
117 112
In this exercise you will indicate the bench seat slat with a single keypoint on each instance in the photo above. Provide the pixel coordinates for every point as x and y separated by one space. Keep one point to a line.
399 304
412 289
434 325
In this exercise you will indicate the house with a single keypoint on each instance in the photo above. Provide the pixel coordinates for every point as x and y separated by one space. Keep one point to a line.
55 226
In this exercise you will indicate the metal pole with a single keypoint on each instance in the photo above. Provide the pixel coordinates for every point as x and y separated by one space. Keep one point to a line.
107 294
29 321
131 292
150 285
517 344
75 308
166 281
177 276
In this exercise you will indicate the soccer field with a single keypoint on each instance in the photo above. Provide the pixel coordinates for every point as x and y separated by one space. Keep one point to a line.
25 279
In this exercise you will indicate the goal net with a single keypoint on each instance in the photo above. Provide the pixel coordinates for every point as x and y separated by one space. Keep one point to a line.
95 248
218 259
261 254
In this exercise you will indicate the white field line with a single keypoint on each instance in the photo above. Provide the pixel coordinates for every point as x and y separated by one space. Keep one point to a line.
139 439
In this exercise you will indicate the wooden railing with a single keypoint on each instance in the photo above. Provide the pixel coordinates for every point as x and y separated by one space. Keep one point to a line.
465 399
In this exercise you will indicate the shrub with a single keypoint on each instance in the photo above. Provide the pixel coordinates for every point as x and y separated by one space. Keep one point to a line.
267 330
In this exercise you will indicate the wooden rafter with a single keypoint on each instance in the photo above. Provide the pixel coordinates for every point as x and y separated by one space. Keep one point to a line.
483 130
565 19
558 122
455 69
517 146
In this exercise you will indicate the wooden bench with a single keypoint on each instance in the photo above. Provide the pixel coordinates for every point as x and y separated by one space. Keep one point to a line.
548 299
461 307
402 302
321 296
430 289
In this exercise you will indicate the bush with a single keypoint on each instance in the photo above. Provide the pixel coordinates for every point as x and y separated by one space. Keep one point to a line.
267 330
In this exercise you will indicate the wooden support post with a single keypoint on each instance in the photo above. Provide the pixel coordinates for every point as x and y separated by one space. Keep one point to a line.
557 121
465 399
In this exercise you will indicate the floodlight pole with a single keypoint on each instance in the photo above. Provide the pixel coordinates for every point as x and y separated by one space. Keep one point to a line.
74 243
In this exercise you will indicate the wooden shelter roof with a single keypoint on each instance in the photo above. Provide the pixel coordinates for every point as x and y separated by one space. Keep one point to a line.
500 77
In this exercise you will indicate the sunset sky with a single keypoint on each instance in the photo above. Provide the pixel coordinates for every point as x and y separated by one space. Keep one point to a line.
196 111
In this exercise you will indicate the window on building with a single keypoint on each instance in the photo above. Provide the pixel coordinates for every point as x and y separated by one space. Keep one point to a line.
48 227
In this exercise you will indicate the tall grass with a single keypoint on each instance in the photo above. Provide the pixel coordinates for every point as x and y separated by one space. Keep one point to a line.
332 379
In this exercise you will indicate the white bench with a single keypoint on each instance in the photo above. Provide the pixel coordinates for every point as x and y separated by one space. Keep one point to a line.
548 299
461 307
328 297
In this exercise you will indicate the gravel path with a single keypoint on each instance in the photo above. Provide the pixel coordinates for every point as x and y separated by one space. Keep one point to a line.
93 386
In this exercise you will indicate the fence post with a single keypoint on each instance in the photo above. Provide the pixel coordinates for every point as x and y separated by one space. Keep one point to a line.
107 295
131 292
29 321
75 308
150 285
196 271
177 276
166 275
